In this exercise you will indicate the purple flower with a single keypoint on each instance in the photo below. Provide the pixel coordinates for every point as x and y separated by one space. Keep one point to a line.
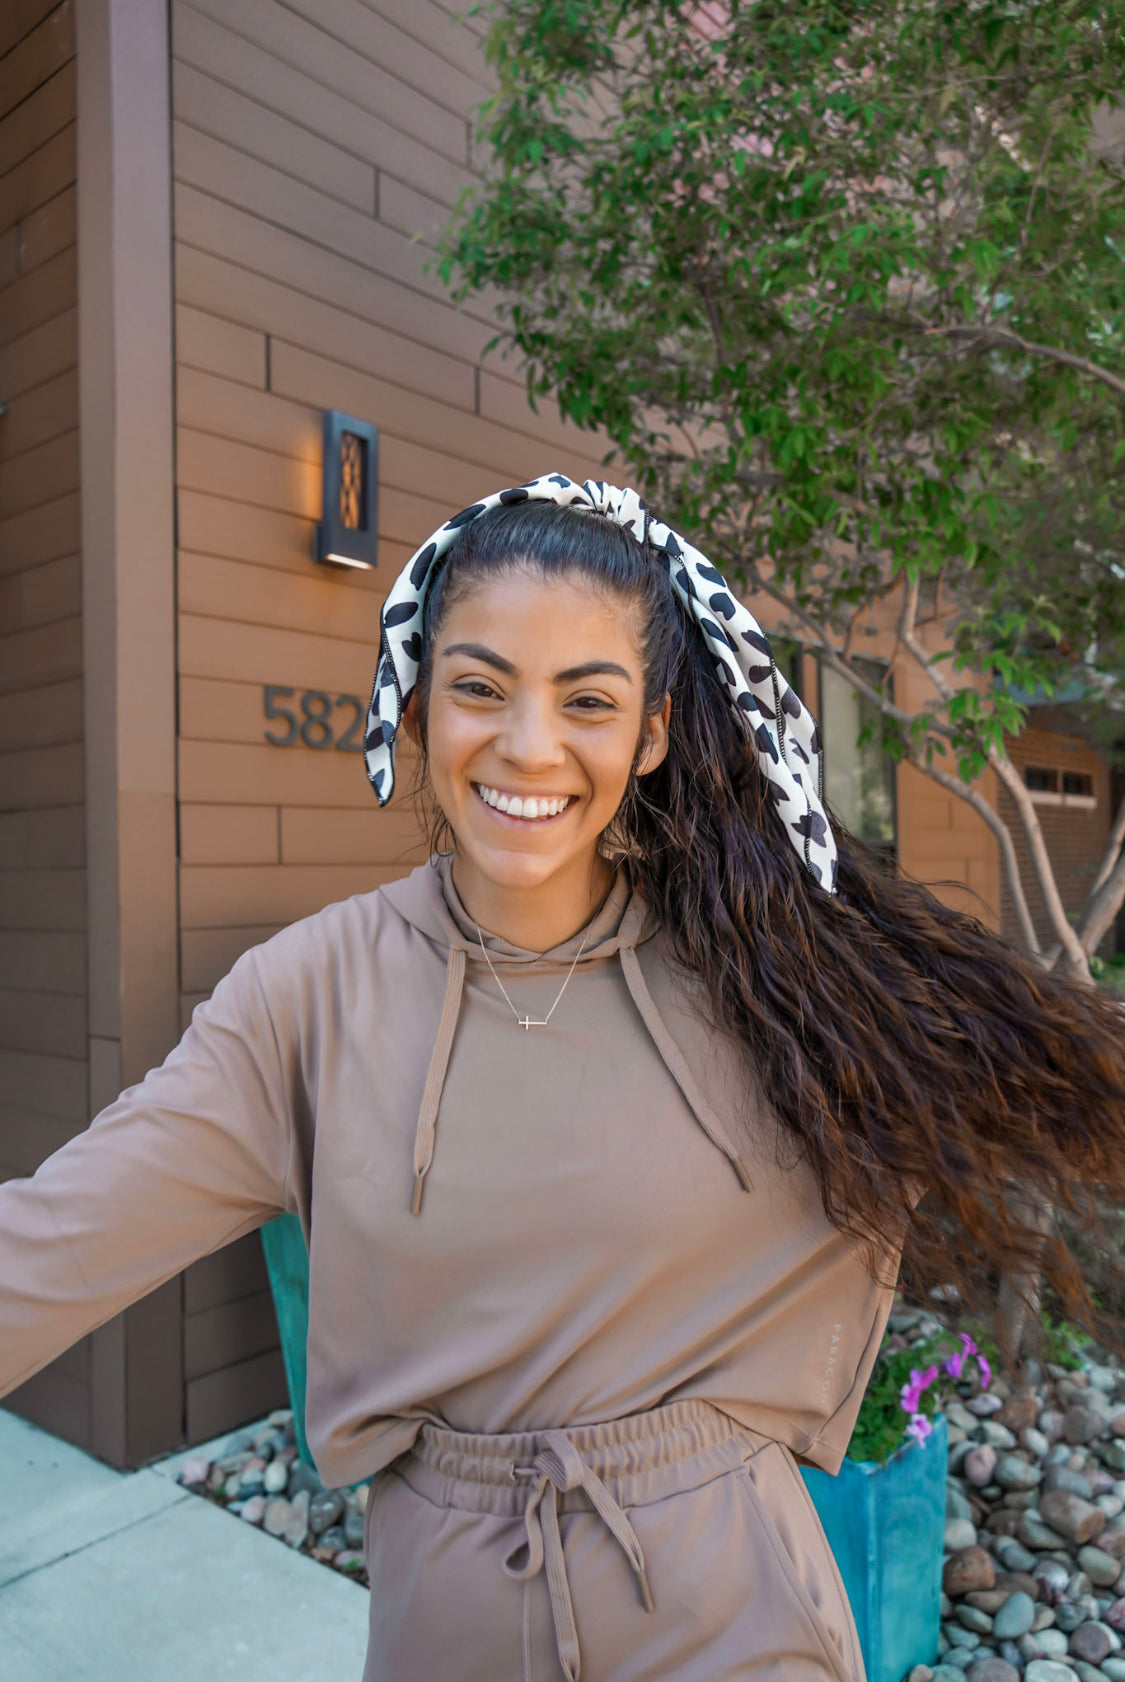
911 1393
955 1365
919 1428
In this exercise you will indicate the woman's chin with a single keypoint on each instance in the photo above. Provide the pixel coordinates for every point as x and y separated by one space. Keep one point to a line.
516 866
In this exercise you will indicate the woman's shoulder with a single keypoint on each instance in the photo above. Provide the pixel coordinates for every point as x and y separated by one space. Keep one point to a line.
362 928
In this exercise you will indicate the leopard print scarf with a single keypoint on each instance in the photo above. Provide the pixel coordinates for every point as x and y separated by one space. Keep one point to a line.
785 734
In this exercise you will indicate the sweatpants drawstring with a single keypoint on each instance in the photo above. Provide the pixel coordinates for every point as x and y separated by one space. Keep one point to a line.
560 1468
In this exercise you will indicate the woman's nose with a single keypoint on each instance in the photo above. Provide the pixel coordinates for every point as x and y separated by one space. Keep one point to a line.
529 738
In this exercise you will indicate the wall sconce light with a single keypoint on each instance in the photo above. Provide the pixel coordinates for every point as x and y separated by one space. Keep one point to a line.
348 533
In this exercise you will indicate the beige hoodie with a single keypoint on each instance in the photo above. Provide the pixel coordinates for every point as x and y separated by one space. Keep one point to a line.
508 1229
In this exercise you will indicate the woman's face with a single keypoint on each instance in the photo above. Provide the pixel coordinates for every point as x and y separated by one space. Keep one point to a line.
536 696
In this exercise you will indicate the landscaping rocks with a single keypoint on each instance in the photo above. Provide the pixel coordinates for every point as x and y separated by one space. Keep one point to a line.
992 1670
1101 1568
265 1484
1015 1471
1078 1520
325 1508
969 1568
1093 1642
1033 1578
1015 1617
1082 1424
1032 1531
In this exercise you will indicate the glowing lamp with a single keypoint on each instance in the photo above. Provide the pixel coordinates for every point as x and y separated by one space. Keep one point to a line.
348 533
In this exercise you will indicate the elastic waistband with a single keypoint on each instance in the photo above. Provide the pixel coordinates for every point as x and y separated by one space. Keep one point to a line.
641 1456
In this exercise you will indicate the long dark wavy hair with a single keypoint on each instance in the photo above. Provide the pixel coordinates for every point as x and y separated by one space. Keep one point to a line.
901 1044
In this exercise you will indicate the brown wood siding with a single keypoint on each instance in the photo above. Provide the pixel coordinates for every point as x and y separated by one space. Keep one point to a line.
43 1005
311 141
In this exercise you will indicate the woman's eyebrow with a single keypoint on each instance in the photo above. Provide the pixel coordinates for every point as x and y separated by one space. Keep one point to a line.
572 674
477 651
592 668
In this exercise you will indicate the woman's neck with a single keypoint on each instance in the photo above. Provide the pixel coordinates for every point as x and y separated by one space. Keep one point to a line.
537 918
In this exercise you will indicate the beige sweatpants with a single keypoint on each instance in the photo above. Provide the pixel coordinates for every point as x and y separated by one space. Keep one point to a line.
672 1543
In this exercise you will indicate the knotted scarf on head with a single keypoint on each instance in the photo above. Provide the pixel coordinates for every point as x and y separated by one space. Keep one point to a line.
784 732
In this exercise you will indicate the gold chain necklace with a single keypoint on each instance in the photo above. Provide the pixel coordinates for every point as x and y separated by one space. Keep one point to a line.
534 1021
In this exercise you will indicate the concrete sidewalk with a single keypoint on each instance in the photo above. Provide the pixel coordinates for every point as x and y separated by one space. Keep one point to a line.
125 1577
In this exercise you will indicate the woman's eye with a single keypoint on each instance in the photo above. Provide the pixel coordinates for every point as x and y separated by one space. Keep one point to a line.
593 703
475 686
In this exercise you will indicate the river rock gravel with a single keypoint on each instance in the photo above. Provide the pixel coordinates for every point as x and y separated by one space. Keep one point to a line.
1033 1577
261 1480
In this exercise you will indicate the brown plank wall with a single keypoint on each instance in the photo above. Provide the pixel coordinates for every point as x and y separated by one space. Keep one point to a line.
312 141
43 1067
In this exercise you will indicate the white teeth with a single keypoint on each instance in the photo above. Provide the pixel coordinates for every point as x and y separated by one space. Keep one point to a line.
526 808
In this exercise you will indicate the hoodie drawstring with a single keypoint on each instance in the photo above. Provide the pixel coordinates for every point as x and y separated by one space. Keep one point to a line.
674 1060
435 1075
677 1064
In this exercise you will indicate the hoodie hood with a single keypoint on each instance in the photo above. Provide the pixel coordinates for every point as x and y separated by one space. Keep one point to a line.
428 900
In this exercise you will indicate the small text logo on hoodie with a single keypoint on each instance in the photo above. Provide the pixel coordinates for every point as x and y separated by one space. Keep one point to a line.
833 1356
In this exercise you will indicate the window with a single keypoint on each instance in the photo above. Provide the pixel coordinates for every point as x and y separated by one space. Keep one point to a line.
859 775
1048 786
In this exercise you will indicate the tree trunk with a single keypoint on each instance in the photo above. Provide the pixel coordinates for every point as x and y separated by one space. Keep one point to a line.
1017 1301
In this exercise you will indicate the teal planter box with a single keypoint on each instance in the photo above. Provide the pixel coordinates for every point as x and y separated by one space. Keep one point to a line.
886 1526
287 1262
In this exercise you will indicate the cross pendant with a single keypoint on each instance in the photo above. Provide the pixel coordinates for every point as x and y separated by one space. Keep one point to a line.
531 1022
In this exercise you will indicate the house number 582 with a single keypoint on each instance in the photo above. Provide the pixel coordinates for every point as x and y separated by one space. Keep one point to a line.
313 719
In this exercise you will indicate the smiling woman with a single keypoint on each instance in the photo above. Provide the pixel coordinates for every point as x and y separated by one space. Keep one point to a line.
580 1298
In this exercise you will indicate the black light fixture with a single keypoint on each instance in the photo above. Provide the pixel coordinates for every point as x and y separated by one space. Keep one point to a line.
348 533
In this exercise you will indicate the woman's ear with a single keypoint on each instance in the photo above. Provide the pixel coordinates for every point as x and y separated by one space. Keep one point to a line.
655 750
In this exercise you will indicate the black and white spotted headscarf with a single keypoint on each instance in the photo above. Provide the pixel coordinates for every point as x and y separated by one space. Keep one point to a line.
783 730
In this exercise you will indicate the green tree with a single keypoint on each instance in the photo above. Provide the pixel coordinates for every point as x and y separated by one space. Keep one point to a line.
843 284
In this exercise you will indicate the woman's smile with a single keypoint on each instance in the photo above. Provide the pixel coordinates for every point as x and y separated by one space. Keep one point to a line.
528 808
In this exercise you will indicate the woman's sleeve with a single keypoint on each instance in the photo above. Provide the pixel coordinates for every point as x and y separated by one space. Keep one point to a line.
195 1155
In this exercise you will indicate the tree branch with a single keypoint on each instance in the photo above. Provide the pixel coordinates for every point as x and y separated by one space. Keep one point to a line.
1052 900
875 696
1112 849
1108 892
996 338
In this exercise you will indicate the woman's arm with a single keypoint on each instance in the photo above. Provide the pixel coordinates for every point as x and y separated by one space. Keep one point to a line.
193 1156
